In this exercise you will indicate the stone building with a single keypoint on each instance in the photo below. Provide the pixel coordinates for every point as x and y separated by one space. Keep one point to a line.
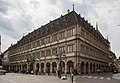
118 62
68 43
5 60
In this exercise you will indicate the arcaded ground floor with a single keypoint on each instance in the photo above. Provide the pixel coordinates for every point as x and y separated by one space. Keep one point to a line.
84 66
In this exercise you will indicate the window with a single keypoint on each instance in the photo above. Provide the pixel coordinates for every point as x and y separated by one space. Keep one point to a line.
62 49
48 52
82 33
48 39
38 43
33 44
90 51
62 35
83 49
42 41
54 37
29 46
37 54
70 33
70 48
54 51
87 50
42 53
87 35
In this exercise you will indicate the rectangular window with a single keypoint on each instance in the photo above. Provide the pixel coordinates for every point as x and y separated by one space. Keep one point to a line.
54 51
87 36
48 39
83 49
29 46
48 52
87 50
33 44
37 55
42 53
90 51
62 49
82 33
70 33
70 48
62 35
42 41
54 37
38 43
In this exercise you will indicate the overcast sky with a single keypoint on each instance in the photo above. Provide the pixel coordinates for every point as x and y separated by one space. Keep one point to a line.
19 17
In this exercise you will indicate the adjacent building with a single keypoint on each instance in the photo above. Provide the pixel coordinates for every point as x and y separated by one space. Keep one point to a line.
68 43
0 52
118 61
5 60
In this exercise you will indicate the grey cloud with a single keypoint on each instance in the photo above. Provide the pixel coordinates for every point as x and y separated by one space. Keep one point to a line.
83 8
3 6
5 23
52 2
7 27
64 4
35 4
28 15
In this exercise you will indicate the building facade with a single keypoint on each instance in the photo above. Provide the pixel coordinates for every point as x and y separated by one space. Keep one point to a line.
69 43
5 60
118 61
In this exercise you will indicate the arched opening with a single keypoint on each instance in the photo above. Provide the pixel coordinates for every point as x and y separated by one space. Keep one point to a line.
48 68
82 67
62 67
70 66
24 68
54 67
42 68
31 68
37 68
91 68
87 67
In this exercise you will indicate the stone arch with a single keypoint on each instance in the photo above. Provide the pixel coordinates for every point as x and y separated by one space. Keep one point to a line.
37 68
87 67
70 66
24 68
91 68
42 67
62 67
82 67
54 67
48 68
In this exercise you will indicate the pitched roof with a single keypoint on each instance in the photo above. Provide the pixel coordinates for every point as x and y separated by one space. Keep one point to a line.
62 22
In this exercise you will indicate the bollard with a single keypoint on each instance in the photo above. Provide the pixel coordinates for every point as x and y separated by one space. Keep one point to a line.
72 77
